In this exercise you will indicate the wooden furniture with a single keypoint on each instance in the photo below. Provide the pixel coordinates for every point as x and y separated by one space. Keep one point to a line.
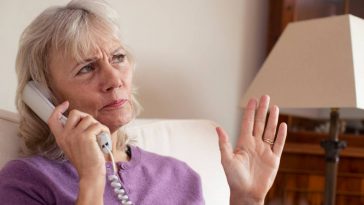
301 176
281 12
300 179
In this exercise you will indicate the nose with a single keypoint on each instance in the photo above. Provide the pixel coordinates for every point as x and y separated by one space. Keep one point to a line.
110 77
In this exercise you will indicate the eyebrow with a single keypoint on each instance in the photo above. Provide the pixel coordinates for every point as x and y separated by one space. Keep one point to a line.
92 59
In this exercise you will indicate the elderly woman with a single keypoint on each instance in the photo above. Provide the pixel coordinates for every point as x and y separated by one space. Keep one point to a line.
75 52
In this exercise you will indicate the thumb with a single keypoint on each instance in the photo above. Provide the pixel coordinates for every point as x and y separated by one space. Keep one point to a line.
226 149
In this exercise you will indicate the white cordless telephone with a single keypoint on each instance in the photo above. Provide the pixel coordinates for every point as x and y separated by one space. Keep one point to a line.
37 98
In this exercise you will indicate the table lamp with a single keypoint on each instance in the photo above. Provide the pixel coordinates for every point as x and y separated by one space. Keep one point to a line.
317 64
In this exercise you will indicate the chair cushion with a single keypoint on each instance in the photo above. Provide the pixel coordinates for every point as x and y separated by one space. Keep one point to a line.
192 141
10 142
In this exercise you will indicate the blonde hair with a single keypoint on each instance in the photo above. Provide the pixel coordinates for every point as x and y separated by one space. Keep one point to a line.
75 29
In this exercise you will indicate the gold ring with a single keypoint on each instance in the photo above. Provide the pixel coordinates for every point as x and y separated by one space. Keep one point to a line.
269 141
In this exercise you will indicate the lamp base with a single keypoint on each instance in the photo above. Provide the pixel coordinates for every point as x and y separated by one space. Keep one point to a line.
332 148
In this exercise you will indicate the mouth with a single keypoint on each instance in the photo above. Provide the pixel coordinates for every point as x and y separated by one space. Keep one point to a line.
116 104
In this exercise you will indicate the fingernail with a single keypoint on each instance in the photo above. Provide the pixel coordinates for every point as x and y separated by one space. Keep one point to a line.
274 108
64 106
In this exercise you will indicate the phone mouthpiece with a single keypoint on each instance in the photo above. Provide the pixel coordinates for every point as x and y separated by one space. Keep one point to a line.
104 140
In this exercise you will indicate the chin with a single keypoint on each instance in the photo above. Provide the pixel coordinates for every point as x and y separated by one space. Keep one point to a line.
115 126
115 119
116 122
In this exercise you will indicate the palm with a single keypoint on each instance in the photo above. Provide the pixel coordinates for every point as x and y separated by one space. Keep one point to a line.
251 167
251 170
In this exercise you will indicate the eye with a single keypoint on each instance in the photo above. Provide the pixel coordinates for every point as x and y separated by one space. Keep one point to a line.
86 69
118 58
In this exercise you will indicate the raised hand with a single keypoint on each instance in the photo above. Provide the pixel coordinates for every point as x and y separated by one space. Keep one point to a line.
252 166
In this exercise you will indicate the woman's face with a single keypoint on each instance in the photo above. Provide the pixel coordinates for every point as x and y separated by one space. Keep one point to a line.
99 86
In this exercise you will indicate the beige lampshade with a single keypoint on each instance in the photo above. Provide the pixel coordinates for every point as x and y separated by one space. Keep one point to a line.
315 64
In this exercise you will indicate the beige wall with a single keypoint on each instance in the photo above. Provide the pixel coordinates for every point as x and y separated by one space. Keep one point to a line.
194 57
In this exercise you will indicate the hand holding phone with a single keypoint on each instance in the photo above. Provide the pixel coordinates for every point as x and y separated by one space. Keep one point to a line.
38 99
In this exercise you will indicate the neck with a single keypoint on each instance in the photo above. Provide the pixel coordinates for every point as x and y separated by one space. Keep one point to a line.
119 152
120 155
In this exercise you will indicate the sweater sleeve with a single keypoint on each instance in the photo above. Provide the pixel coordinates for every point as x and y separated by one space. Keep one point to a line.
20 184
193 179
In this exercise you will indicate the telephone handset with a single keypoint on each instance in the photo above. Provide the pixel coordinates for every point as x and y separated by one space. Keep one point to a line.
37 98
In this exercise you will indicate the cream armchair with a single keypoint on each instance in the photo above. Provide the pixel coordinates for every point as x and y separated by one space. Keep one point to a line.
192 141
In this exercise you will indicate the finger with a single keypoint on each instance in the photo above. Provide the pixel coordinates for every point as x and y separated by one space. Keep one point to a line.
54 122
270 130
281 138
248 118
85 122
261 116
74 118
93 132
226 150
96 128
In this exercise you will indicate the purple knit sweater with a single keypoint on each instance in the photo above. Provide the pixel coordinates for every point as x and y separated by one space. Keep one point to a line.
148 179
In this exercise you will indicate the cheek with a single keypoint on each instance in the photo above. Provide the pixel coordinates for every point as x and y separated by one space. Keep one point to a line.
79 99
60 96
127 74
84 102
128 78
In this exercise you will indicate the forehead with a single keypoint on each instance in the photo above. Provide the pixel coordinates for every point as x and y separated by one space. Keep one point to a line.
80 53
60 62
107 47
